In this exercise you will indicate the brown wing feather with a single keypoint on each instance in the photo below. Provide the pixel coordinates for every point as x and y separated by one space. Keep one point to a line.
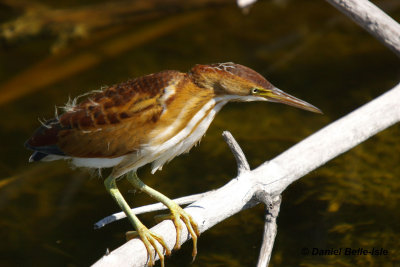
116 121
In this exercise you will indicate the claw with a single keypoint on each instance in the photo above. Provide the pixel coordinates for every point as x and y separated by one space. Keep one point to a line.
178 214
149 240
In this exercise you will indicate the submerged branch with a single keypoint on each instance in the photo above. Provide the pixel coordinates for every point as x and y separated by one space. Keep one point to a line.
51 70
78 22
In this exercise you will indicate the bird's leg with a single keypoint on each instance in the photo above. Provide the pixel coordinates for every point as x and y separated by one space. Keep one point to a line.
149 238
177 213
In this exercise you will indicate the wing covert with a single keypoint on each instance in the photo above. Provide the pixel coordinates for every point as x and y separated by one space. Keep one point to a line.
110 123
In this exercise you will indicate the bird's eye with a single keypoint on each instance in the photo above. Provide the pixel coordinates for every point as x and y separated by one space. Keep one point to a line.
255 91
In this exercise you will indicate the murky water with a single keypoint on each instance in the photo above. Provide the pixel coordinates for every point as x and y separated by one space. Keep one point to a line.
306 48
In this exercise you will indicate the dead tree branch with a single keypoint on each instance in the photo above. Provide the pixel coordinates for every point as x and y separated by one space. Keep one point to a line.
268 181
272 177
372 19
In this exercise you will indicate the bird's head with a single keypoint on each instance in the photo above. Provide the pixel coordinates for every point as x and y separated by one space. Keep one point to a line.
237 80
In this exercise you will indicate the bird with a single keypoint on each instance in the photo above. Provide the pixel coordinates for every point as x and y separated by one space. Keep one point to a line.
150 120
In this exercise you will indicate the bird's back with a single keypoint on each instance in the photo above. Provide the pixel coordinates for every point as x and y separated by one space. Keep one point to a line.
107 124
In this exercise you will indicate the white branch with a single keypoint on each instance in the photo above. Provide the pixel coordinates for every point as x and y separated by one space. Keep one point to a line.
374 20
245 3
272 177
149 208
365 14
241 160
272 207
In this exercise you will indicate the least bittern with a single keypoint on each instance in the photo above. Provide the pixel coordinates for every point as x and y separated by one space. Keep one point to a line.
150 119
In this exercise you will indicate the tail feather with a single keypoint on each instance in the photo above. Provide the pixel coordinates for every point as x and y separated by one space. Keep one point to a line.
37 156
44 141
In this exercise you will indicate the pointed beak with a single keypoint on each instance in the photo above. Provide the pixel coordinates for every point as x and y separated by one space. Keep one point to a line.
276 95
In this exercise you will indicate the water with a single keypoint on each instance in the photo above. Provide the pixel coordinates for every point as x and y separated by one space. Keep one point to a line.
306 48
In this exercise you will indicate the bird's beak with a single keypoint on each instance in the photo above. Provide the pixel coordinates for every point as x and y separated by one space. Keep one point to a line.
276 95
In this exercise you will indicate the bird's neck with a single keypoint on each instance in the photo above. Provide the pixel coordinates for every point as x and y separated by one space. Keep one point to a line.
185 101
181 141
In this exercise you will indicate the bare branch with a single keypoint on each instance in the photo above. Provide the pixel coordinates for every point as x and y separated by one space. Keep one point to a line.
241 160
269 180
274 176
374 20
242 164
150 208
270 230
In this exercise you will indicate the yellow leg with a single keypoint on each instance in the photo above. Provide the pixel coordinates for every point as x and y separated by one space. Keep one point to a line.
177 213
149 238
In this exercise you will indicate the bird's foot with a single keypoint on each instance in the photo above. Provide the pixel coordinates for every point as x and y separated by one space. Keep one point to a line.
149 240
178 214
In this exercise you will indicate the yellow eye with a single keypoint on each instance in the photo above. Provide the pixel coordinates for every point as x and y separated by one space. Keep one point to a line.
255 91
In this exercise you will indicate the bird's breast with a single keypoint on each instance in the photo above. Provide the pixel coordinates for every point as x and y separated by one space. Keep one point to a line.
188 111
176 139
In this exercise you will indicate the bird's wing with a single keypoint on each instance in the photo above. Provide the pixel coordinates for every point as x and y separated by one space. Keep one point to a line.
107 124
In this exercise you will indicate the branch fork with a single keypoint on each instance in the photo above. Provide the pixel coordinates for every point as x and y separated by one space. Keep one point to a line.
266 183
271 178
255 195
